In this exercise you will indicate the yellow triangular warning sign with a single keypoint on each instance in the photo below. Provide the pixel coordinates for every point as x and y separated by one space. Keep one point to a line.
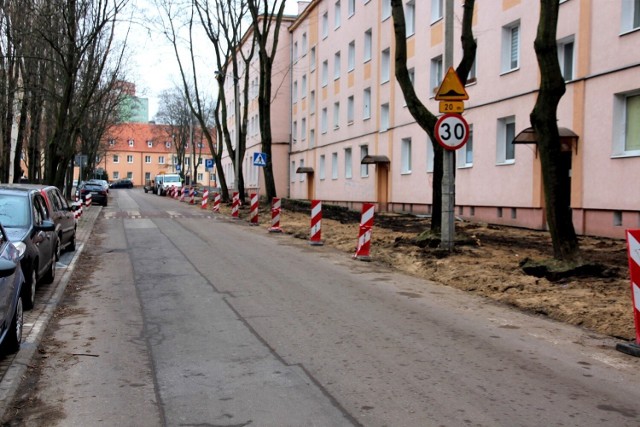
451 88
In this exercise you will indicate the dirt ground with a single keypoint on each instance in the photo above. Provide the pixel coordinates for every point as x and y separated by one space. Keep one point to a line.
486 261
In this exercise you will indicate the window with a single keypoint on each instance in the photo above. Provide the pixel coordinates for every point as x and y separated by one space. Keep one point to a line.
350 109
112 142
321 167
384 117
116 158
368 45
385 66
325 73
304 44
337 17
147 159
630 15
312 102
295 51
626 129
351 7
334 165
323 121
312 59
200 177
129 158
294 91
410 18
167 144
472 77
294 131
312 138
351 56
506 133
436 10
147 176
131 143
348 164
336 66
405 155
366 106
364 169
150 144
325 25
161 160
130 175
292 171
303 129
464 155
303 88
510 47
386 9
565 58
116 175
430 155
336 115
301 176
436 74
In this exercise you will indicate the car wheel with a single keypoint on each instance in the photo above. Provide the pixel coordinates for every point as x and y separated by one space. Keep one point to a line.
50 275
29 288
105 204
72 243
14 334
58 250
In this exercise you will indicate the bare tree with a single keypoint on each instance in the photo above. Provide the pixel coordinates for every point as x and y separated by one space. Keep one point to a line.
175 112
555 172
266 20
425 118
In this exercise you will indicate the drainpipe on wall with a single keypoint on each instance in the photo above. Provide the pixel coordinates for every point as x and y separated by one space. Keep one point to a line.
288 166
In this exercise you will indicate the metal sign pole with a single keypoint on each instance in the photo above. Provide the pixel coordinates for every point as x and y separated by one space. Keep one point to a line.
448 180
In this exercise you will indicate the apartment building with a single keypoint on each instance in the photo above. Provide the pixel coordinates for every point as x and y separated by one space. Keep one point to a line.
346 107
140 151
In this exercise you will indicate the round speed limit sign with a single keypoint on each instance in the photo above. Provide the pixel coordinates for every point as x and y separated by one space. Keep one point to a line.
452 131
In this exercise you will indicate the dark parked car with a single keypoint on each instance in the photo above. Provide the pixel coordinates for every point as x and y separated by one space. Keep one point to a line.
122 183
102 182
11 284
99 195
62 214
27 222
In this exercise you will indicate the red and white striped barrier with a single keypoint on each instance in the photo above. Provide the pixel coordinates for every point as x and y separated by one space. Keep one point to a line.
275 216
78 212
216 202
316 223
192 196
87 200
205 199
171 191
235 206
176 193
253 215
183 194
364 237
633 248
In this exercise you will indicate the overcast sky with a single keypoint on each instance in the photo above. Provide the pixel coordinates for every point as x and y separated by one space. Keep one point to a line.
153 66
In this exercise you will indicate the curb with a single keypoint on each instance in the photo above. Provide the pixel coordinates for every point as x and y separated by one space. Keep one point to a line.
16 371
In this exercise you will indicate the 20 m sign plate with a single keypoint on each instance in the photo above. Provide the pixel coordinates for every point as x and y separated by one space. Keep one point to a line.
452 131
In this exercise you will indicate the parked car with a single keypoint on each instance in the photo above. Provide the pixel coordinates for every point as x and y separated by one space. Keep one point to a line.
27 222
102 182
98 193
122 183
11 284
62 214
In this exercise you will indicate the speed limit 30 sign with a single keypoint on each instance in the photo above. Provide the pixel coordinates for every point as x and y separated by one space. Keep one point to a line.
452 131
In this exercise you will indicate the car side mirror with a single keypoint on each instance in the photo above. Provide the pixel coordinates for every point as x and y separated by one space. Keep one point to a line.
47 225
7 267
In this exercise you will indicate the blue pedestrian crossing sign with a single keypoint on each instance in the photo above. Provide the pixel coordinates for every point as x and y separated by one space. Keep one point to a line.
208 164
259 159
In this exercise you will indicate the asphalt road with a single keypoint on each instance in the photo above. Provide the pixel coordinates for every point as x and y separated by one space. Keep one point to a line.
194 319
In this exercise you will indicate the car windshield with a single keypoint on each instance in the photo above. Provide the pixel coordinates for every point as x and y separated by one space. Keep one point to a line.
171 179
93 186
14 211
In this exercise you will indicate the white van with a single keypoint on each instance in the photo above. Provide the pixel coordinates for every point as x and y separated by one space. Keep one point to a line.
165 181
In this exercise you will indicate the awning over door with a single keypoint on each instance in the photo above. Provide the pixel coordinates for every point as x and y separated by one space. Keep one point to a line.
372 160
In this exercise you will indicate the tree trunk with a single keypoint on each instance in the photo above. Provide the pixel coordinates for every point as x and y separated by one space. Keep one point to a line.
555 171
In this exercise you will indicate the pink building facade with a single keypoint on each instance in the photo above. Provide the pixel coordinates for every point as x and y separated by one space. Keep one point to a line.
345 105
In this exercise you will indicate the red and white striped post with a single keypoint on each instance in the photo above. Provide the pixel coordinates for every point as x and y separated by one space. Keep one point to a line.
275 216
78 212
316 223
633 248
364 237
235 206
184 194
205 199
171 191
192 196
87 200
176 193
216 202
255 204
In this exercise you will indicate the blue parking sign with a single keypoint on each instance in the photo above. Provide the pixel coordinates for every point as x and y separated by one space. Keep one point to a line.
208 163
